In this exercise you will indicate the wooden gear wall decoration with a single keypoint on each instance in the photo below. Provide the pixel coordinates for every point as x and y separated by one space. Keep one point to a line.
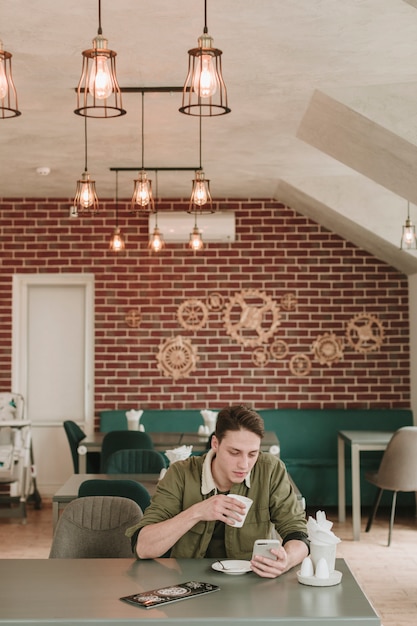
177 358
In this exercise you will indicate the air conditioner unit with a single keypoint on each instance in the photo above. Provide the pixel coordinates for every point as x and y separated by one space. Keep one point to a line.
176 227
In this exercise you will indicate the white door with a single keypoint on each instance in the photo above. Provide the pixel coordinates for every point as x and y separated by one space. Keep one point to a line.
53 364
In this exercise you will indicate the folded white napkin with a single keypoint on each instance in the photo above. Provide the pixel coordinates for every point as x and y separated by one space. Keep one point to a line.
134 415
320 530
179 454
210 418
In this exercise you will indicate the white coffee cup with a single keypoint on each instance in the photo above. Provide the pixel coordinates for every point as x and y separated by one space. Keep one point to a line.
247 502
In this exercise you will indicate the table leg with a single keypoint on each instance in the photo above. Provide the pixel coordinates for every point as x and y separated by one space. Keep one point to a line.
55 514
82 463
356 493
341 478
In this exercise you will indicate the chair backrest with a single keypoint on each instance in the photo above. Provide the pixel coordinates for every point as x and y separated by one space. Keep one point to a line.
135 462
123 440
74 436
398 467
122 488
94 527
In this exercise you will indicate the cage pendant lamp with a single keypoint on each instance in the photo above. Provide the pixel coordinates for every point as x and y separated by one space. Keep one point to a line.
86 200
408 239
200 199
204 93
142 199
156 240
98 92
8 95
196 242
117 242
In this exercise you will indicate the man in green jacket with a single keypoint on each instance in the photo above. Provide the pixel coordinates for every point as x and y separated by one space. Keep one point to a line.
191 517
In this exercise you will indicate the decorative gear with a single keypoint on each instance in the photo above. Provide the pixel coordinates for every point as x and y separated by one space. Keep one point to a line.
192 314
177 358
289 302
278 349
215 301
365 333
327 349
133 318
251 317
260 356
300 365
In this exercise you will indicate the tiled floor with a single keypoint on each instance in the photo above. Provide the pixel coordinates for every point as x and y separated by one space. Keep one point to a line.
387 575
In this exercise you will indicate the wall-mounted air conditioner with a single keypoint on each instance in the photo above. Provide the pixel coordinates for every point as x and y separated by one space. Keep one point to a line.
176 226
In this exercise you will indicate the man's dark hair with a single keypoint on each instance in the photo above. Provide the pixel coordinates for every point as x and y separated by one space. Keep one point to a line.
240 417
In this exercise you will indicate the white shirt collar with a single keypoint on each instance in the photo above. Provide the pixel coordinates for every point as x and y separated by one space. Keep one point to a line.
207 480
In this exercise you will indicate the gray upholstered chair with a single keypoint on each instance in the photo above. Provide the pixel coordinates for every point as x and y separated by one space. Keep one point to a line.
94 527
135 462
397 471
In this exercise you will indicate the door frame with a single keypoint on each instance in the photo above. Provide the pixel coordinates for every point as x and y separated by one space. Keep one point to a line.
21 285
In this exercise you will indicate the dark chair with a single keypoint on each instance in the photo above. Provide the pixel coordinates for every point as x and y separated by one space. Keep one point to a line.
75 435
94 527
123 440
135 462
122 488
397 471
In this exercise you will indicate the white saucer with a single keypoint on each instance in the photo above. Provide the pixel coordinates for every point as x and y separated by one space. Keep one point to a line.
334 579
231 567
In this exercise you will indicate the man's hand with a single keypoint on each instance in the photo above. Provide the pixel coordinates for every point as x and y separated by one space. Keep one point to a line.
288 556
222 508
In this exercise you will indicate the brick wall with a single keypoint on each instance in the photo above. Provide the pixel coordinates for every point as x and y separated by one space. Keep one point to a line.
319 282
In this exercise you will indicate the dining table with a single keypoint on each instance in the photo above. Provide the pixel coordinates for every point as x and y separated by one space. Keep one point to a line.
164 441
358 441
88 592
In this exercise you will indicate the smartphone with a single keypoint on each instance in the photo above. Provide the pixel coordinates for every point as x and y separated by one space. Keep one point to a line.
263 547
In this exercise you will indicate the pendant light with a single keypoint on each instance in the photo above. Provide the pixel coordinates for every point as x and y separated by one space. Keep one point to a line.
142 199
117 242
98 92
196 240
85 197
204 92
201 200
8 96
408 239
156 240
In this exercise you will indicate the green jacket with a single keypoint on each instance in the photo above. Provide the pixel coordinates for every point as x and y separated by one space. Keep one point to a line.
275 506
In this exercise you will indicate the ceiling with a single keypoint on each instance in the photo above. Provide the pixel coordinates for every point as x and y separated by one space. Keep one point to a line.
323 96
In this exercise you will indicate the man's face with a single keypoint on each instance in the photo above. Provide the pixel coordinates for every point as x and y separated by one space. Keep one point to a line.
236 454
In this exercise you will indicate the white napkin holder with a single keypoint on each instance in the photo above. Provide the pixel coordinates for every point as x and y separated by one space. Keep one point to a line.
133 420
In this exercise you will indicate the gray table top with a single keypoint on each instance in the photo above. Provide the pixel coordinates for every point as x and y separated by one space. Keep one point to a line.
87 592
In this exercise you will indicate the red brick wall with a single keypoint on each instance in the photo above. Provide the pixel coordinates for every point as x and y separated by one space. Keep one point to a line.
277 252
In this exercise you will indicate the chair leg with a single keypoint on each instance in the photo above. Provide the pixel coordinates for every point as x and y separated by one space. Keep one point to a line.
374 510
391 521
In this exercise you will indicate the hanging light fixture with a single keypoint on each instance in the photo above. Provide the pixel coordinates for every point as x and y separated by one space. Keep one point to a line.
98 92
117 242
85 196
204 91
142 199
8 96
201 200
156 240
196 242
408 239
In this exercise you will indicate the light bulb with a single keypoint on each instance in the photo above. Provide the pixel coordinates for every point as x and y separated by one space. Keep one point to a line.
86 195
100 83
117 243
4 87
156 243
142 193
205 79
196 242
200 193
